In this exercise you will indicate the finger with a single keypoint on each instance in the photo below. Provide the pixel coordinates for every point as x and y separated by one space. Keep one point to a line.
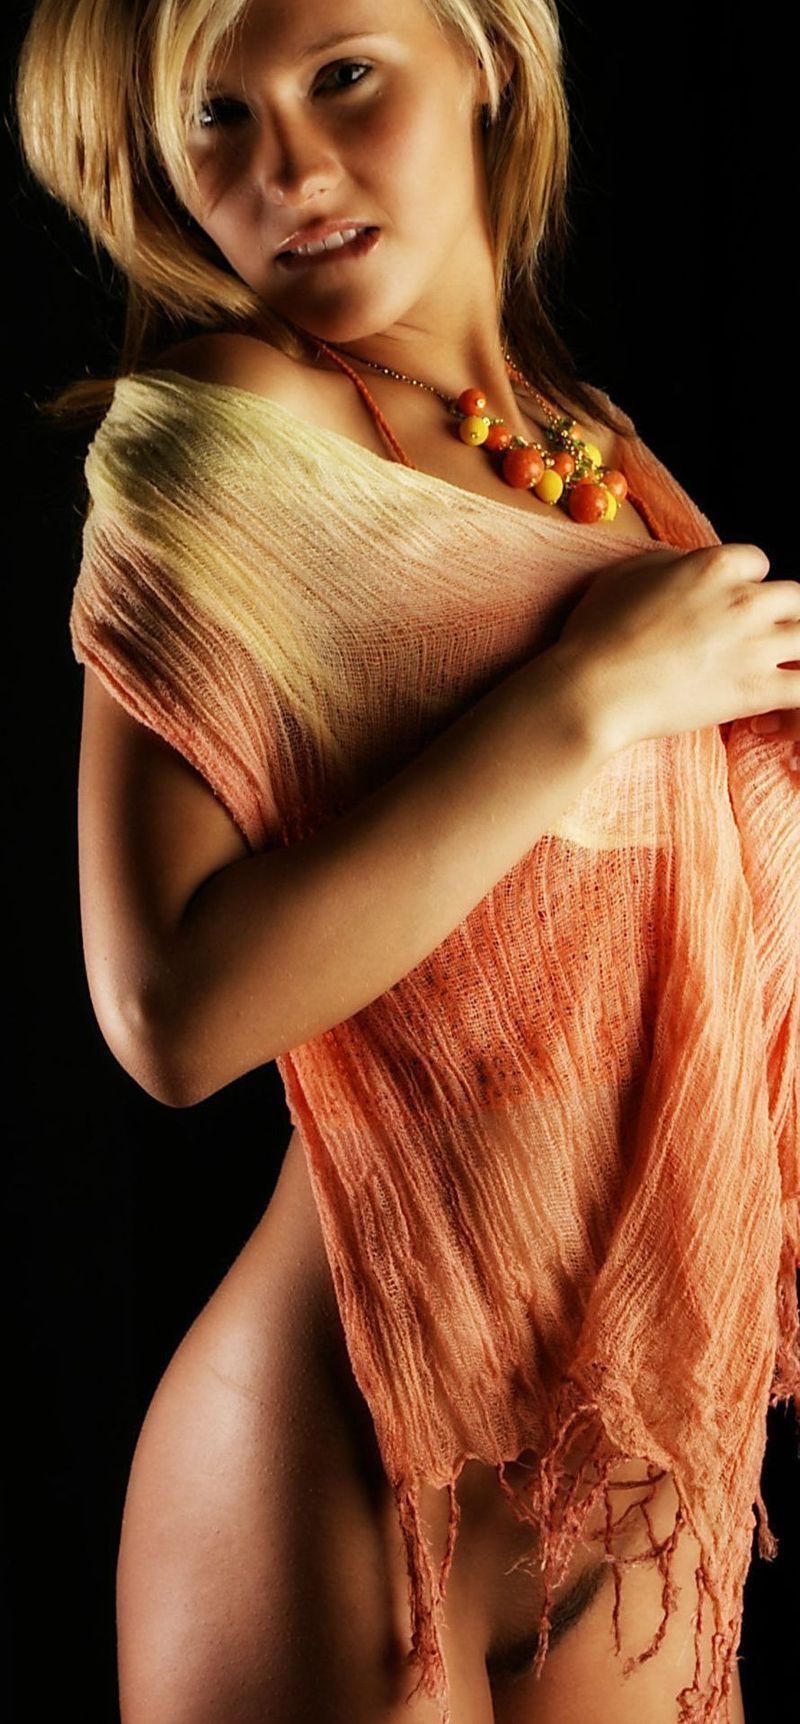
767 723
780 725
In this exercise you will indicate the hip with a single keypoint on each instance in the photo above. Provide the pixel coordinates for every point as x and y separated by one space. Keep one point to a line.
261 1568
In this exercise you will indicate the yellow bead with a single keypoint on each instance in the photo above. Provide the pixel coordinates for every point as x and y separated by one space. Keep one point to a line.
550 486
594 454
473 429
611 505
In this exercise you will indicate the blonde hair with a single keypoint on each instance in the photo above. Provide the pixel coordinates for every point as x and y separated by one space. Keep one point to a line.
102 97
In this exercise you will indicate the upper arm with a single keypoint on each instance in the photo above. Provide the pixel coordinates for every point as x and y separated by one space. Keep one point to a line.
166 766
150 831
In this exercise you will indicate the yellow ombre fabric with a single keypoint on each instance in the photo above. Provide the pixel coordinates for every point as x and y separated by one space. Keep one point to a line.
557 1166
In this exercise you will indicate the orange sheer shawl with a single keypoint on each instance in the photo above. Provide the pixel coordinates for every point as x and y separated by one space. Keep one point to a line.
557 1166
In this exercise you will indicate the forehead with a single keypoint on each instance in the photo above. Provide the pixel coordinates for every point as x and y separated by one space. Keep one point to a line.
294 25
287 31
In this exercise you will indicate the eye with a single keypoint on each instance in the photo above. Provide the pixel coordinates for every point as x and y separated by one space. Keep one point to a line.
227 111
349 66
222 111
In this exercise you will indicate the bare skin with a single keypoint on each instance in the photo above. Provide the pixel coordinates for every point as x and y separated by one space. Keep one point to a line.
261 1572
259 1526
383 128
323 395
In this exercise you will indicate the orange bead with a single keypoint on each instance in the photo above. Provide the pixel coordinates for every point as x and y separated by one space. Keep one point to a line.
616 482
522 467
499 437
472 401
586 502
563 463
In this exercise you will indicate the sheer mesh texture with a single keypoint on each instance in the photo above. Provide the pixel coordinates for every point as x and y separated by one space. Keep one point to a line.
557 1165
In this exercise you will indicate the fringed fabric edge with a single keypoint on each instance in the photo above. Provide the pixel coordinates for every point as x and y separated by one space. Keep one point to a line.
558 1527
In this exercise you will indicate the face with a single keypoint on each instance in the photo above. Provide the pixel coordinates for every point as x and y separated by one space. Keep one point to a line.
380 128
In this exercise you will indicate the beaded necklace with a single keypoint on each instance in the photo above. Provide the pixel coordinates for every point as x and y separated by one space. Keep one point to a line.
568 471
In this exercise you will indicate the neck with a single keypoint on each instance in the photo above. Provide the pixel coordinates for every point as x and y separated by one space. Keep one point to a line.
506 399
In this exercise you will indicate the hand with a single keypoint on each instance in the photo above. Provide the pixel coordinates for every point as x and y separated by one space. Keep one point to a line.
672 641
781 727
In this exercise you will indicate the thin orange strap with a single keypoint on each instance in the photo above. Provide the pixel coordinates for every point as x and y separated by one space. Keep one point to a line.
642 508
382 423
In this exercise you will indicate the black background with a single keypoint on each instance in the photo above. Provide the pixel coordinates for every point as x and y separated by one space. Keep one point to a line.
124 1215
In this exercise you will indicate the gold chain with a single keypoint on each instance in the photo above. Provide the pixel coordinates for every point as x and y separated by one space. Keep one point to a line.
450 400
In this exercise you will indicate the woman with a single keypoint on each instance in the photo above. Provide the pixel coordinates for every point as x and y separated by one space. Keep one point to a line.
449 846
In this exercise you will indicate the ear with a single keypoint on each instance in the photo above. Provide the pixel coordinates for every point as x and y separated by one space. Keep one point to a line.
505 64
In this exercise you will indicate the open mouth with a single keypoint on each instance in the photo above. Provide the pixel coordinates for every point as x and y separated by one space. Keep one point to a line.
358 247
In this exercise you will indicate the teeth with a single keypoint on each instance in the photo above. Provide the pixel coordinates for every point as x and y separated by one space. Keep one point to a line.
332 243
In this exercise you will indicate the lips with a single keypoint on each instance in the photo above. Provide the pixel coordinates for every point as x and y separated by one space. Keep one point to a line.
319 230
352 249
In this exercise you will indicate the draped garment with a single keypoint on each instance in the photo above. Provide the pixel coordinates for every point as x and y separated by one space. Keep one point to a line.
557 1165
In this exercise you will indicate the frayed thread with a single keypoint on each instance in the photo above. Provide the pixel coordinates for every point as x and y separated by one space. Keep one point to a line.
552 1503
786 1377
426 1593
560 1526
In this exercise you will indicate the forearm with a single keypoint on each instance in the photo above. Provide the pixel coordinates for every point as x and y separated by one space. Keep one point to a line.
277 948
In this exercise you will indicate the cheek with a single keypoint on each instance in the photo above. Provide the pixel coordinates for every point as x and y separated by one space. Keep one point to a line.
415 156
228 219
222 180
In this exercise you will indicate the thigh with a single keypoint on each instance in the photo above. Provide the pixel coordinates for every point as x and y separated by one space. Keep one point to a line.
261 1575
582 1677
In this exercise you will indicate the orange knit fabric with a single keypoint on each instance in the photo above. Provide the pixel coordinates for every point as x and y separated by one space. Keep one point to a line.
557 1166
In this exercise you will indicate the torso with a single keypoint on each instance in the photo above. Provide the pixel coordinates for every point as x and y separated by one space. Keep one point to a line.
260 1551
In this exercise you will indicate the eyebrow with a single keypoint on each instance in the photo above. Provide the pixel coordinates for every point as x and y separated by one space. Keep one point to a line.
516 1658
334 40
331 41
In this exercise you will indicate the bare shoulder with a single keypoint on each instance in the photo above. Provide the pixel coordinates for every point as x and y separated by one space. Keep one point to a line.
320 396
238 360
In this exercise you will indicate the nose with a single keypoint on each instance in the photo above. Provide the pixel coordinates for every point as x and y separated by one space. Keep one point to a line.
294 162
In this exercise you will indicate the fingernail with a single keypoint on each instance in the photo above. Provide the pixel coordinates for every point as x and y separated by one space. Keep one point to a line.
765 722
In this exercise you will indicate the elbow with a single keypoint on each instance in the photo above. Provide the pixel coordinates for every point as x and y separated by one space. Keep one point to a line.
147 1063
147 1051
165 1080
156 1062
177 1069
180 1057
